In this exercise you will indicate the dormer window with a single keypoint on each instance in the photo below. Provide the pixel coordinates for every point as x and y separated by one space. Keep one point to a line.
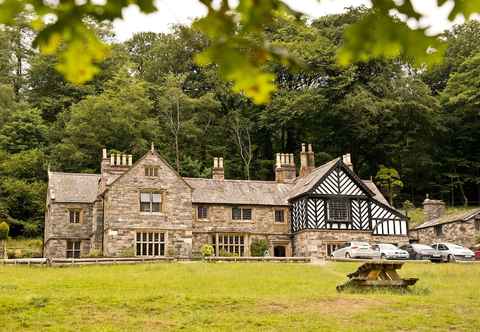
151 171
150 202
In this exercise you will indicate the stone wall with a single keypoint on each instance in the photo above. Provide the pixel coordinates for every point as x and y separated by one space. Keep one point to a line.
58 228
262 226
314 242
122 216
462 233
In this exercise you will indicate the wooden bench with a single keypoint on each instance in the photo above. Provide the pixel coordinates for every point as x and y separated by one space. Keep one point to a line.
377 274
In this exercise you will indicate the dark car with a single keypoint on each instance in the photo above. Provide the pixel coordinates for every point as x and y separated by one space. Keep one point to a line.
477 254
422 251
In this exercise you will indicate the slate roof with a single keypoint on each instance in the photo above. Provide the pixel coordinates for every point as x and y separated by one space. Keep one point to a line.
377 193
73 187
83 188
239 192
305 183
461 216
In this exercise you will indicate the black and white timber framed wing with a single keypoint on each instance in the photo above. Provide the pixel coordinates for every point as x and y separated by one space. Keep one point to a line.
334 197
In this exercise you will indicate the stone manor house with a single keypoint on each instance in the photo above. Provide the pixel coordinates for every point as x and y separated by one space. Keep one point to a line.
147 209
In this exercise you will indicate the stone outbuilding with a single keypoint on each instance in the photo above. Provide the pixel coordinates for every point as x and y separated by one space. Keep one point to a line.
461 228
145 208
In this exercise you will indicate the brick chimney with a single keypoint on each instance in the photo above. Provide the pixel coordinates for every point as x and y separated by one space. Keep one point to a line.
114 165
347 160
307 160
218 172
285 167
433 208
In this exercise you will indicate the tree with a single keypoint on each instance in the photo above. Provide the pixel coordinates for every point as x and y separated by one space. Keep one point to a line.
389 181
23 129
461 101
121 117
242 128
230 26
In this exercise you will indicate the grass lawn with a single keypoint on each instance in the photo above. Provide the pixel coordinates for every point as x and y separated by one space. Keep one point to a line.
233 297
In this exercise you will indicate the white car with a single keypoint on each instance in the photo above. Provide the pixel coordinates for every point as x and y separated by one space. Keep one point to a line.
356 250
451 252
390 251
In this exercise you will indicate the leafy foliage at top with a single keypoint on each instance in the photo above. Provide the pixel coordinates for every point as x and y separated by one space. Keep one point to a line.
238 44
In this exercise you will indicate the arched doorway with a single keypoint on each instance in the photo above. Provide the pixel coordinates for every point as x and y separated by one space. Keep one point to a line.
279 251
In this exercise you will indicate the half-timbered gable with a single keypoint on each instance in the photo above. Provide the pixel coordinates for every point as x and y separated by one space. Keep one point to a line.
147 209
333 197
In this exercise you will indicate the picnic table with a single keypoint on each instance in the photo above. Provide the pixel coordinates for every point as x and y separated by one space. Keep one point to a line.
377 274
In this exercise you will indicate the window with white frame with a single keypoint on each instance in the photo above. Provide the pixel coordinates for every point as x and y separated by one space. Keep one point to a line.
151 171
74 216
338 210
150 201
73 249
241 213
150 244
229 244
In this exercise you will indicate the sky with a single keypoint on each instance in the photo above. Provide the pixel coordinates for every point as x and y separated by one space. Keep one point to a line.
184 11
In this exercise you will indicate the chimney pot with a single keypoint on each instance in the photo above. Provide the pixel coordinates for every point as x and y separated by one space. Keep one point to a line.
118 161
215 162
303 147
279 162
112 159
218 172
129 160
220 163
104 153
124 159
310 147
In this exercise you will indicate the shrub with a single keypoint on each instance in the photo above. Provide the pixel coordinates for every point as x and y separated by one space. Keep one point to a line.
258 248
224 253
94 253
206 250
4 229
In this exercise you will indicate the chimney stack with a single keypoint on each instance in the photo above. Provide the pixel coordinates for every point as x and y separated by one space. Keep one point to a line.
285 167
307 160
433 208
218 172
113 165
347 160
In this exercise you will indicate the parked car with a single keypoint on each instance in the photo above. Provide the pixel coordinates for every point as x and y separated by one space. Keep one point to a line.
390 251
451 252
477 254
356 250
422 251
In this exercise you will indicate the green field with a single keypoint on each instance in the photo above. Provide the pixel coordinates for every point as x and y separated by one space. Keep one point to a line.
233 297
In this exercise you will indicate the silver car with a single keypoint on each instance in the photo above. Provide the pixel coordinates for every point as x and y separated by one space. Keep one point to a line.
451 252
356 249
390 251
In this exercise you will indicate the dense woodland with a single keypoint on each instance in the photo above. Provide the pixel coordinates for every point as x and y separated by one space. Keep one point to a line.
423 123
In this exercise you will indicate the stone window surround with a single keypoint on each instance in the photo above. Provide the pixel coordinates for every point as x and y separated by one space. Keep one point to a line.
218 245
72 210
162 193
242 207
151 171
74 248
285 212
197 214
438 229
153 242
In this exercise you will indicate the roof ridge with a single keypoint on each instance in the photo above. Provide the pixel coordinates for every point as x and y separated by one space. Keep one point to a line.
83 174
236 180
